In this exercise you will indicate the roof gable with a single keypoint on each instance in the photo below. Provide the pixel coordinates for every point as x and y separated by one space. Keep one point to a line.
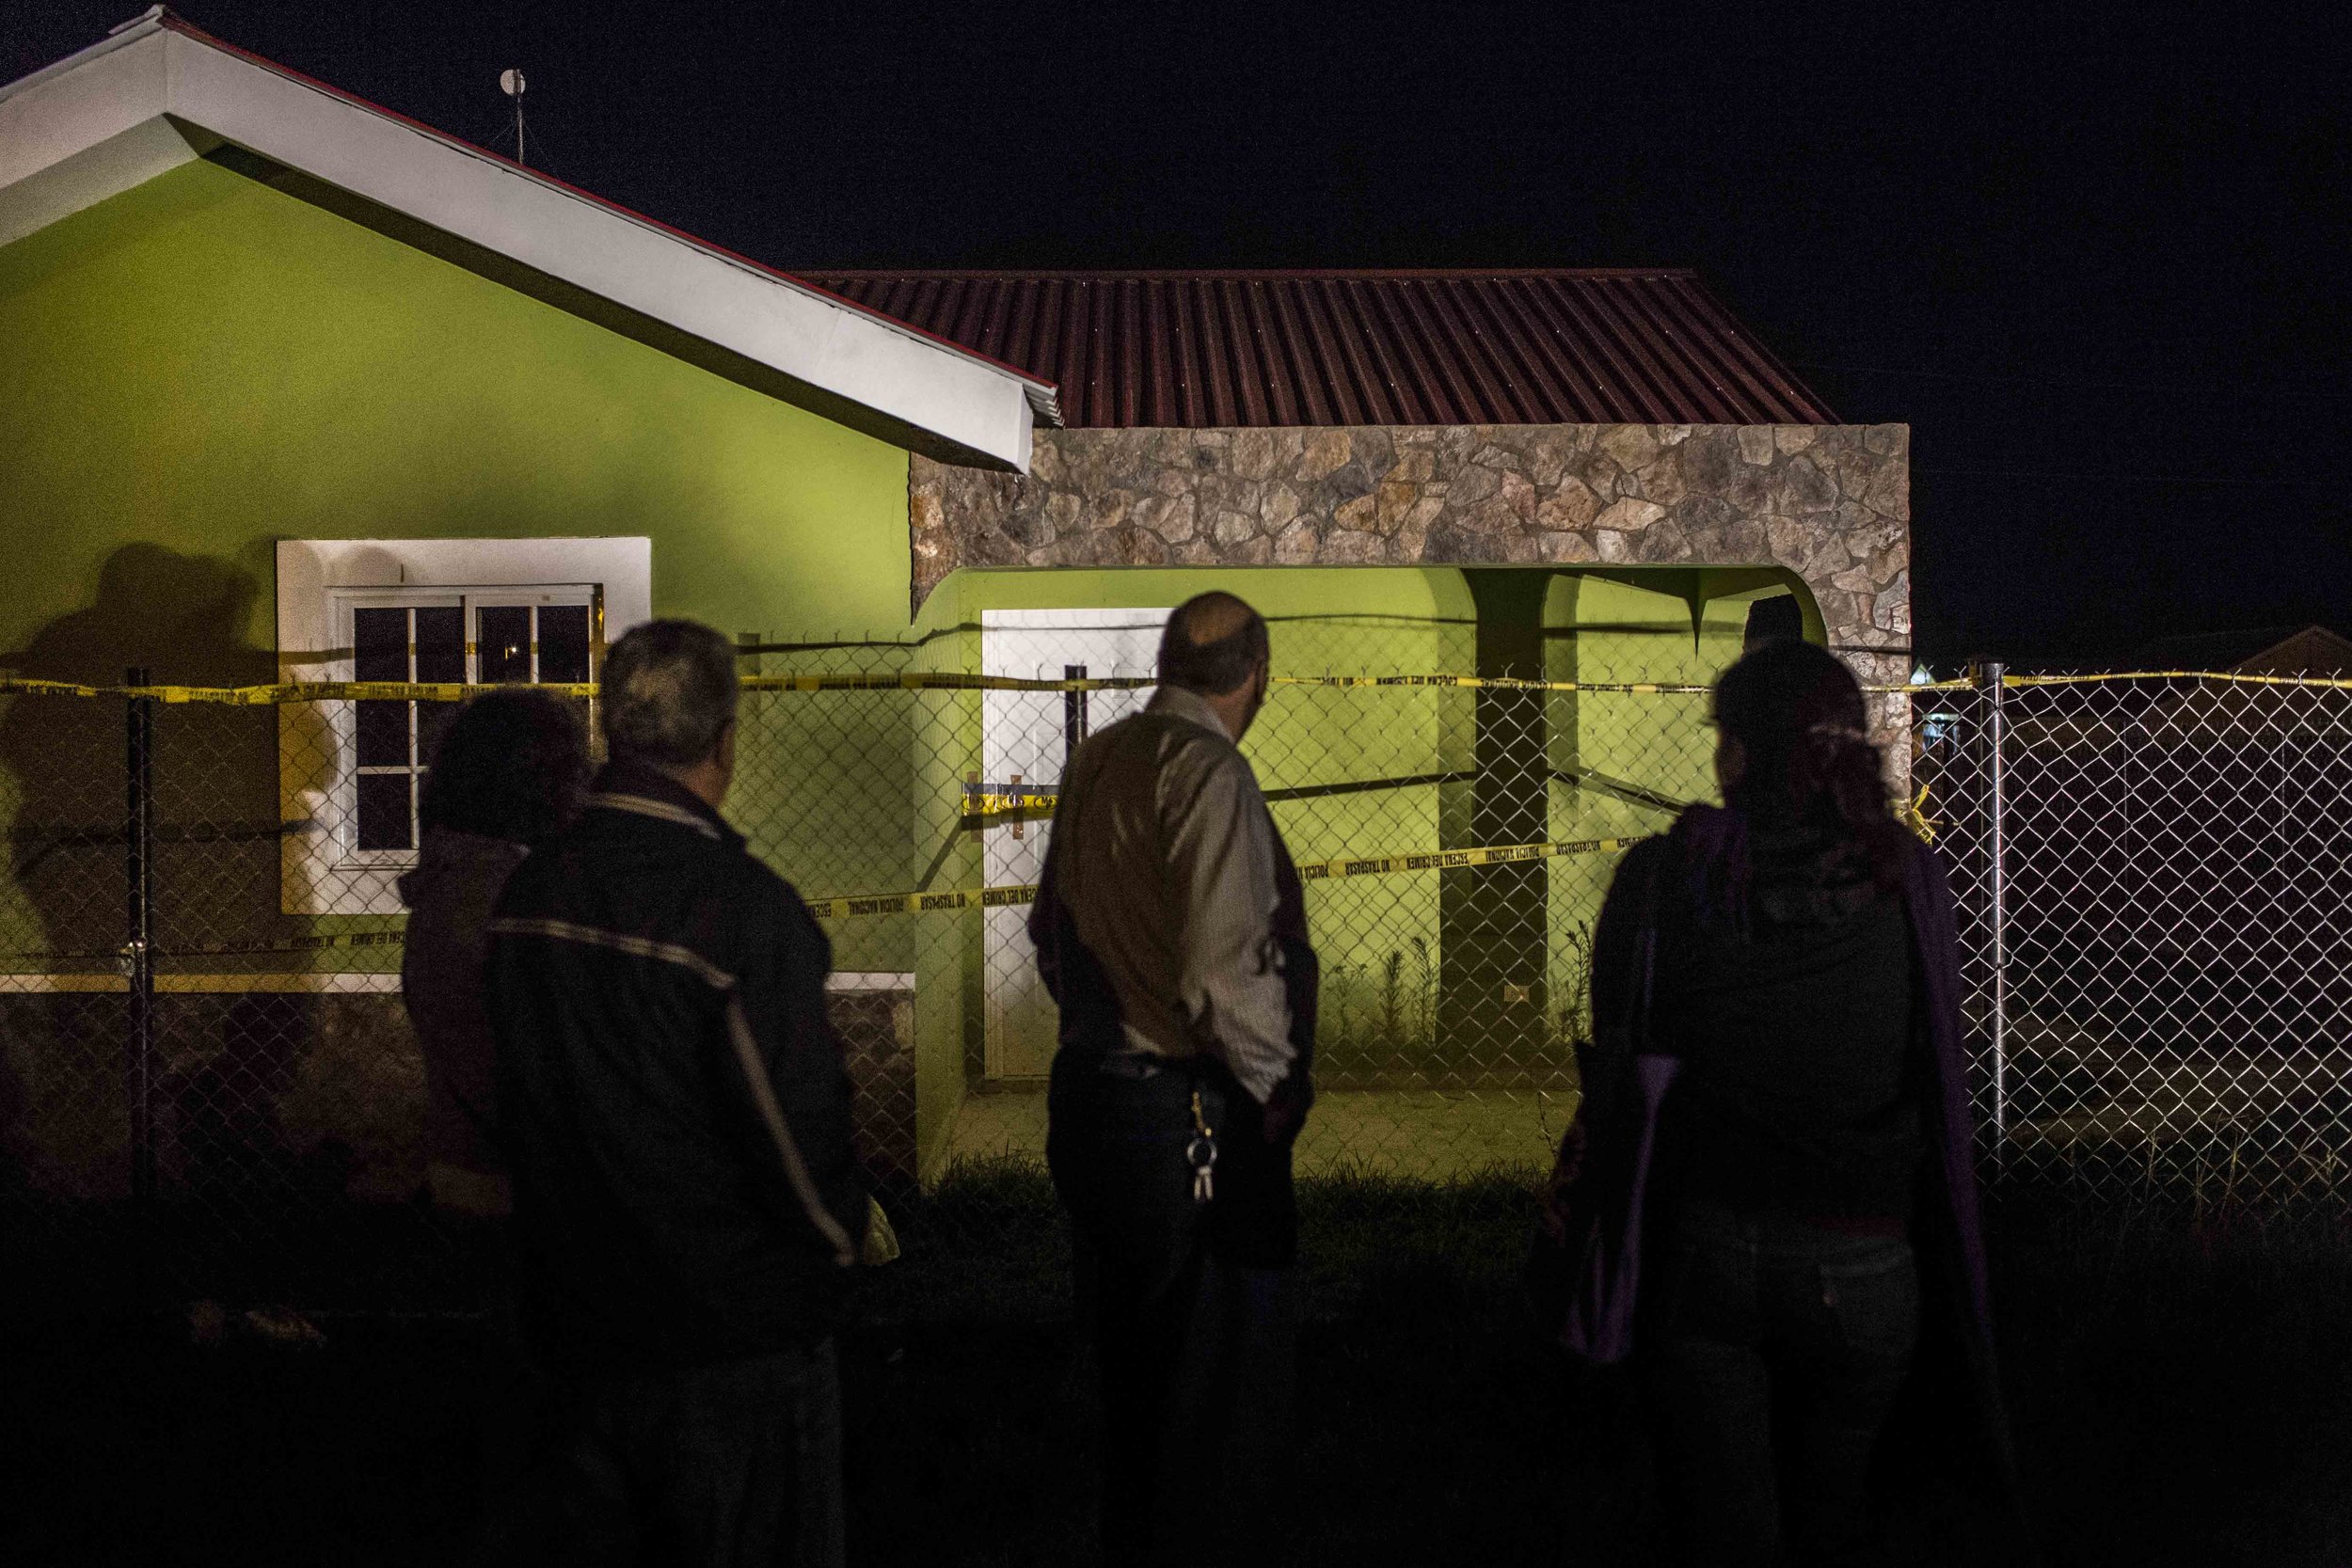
1494 346
157 94
2311 650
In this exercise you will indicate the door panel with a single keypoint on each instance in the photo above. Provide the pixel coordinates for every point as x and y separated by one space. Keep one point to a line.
1024 738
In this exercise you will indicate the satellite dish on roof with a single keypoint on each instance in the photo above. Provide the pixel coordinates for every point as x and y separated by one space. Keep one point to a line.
510 84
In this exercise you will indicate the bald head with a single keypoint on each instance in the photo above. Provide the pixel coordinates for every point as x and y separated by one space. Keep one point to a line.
1214 644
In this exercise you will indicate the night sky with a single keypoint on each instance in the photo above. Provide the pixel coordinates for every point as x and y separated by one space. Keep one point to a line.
2098 263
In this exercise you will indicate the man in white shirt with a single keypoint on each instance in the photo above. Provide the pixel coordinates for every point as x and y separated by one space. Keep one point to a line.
1171 930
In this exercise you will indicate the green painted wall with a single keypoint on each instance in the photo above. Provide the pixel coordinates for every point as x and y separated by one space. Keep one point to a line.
1380 936
205 365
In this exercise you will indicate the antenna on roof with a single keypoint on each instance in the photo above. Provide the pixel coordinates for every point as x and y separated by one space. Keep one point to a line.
510 84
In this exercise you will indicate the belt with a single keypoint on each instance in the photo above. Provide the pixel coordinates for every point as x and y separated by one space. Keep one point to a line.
1138 1065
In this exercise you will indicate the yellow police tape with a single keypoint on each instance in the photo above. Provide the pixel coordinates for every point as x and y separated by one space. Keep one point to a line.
1319 871
452 691
396 937
287 693
964 898
294 944
1915 818
1005 805
945 681
2097 678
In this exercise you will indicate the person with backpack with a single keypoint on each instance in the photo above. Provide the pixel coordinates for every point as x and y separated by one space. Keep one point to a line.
1768 1199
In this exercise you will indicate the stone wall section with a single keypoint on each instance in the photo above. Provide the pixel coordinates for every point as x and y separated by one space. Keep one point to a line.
1831 502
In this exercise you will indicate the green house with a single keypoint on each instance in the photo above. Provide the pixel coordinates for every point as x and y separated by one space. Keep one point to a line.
296 389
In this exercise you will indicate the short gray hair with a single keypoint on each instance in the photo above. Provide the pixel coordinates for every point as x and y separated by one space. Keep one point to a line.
669 693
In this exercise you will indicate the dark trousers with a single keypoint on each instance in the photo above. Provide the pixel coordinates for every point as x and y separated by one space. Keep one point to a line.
1193 1313
1772 1360
733 1463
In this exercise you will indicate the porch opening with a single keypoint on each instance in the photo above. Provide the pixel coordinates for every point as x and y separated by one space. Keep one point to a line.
1453 992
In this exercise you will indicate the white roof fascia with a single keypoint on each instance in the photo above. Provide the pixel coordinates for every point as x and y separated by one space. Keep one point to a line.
117 37
88 127
94 124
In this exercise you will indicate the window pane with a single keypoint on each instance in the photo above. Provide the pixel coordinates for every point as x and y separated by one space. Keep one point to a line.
441 657
432 719
504 633
384 811
563 642
441 643
383 734
379 644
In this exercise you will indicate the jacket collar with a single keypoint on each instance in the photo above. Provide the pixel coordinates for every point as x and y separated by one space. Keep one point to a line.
1191 706
648 792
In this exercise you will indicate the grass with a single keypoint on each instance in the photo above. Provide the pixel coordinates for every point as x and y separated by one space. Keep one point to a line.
2181 1384
2181 1380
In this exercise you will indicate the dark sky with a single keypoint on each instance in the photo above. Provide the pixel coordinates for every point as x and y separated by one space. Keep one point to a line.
2097 262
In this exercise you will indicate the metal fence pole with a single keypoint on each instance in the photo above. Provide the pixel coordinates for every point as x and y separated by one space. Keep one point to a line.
1989 679
1074 714
138 960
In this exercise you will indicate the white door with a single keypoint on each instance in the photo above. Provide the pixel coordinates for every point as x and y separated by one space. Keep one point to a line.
1024 738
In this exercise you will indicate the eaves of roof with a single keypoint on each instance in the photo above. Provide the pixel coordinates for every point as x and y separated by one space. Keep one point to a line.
158 92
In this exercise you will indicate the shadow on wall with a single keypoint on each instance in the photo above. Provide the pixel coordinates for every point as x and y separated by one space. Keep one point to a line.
63 892
181 618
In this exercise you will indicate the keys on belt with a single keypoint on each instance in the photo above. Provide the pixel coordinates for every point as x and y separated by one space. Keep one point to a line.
1201 1148
1200 1153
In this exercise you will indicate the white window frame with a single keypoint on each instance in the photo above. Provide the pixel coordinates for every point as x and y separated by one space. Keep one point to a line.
343 717
319 583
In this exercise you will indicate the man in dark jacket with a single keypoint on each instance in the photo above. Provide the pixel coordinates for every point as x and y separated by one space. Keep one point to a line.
686 1200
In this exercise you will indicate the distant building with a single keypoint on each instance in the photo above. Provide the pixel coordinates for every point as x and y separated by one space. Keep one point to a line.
2260 651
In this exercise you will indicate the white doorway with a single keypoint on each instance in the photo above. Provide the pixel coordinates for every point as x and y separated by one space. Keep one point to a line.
1025 738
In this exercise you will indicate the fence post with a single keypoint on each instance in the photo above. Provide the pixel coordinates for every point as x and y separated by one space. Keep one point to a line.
1074 715
138 957
1989 680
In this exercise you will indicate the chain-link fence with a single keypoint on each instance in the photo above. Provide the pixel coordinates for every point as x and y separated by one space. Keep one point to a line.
204 1063
202 1051
1455 837
2153 875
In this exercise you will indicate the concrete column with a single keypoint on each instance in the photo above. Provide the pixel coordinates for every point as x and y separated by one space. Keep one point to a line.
1492 930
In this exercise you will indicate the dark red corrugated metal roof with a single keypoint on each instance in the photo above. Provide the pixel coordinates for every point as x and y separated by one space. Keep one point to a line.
1503 346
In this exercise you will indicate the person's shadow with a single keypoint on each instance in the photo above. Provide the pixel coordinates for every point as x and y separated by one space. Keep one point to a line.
65 768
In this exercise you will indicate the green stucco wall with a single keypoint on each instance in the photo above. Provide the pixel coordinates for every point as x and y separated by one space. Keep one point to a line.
205 365
1383 939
